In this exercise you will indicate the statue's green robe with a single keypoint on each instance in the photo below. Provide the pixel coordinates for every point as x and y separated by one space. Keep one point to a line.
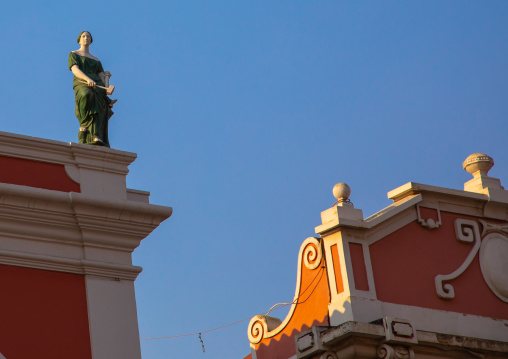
92 104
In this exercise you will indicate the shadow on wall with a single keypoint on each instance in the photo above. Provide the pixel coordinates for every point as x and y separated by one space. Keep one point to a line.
283 346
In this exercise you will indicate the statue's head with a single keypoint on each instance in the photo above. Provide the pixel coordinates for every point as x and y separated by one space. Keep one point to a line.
81 33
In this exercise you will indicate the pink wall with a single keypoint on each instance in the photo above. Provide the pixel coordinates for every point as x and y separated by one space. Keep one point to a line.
43 314
406 262
36 174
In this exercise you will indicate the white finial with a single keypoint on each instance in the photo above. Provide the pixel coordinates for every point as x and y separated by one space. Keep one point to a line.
341 191
478 164
342 212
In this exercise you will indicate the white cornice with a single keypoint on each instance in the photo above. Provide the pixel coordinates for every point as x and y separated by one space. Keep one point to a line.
39 149
372 221
412 188
73 232
100 171
493 204
76 266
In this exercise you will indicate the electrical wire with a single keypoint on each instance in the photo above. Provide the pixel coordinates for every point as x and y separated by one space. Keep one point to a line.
197 333
281 305
297 298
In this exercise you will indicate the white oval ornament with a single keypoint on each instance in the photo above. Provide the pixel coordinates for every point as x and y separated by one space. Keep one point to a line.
494 264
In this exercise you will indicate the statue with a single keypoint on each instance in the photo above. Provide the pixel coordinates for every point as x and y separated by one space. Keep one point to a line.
91 87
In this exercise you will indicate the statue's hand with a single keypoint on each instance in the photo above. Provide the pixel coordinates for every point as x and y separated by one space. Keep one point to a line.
90 83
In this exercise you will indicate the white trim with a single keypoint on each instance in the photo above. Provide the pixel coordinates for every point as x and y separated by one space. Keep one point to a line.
328 243
100 171
466 235
73 232
346 264
73 173
431 320
371 221
390 226
496 278
393 210
112 318
138 196
493 227
67 265
429 223
371 293
40 149
370 273
412 188
339 306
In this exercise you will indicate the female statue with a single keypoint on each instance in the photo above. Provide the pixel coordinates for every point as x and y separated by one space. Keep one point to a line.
93 107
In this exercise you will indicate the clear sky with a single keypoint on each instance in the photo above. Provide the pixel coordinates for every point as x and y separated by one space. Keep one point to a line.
244 114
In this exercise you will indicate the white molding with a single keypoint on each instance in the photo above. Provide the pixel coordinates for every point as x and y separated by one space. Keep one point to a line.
100 171
67 265
466 235
386 351
40 149
370 273
493 227
138 196
429 223
371 221
346 264
353 340
339 306
390 225
328 243
412 194
393 210
431 320
493 264
371 293
73 173
412 188
73 232
112 318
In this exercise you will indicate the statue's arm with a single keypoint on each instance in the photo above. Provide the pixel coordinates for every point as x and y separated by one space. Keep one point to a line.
80 75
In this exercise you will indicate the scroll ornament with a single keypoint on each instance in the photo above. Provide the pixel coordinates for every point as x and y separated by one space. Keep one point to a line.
328 355
386 351
312 254
493 248
264 326
260 325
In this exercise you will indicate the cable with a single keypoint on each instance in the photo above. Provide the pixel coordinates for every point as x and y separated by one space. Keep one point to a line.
295 301
197 333
321 271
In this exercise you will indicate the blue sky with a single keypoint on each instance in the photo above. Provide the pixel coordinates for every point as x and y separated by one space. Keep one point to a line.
244 114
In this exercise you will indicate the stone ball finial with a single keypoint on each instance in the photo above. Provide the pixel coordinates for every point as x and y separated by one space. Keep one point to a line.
341 191
478 162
